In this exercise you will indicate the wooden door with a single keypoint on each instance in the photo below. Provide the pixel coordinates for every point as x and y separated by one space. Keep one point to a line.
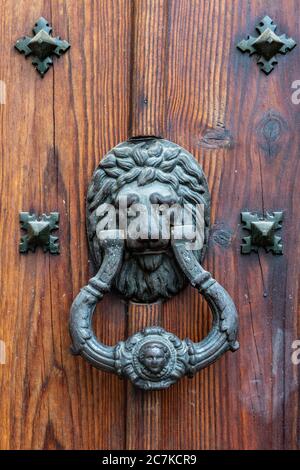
167 68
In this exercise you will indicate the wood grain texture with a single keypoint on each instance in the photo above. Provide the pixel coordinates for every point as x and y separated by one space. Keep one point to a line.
149 67
95 91
218 104
55 131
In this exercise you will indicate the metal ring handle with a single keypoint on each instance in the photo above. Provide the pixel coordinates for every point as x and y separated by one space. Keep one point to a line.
151 172
153 358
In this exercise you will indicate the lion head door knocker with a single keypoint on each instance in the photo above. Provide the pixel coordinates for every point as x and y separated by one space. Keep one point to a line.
148 213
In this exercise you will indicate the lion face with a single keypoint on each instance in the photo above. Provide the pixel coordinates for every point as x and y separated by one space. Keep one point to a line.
146 181
148 230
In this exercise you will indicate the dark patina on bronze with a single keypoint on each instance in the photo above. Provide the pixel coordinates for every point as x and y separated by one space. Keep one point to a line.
149 170
262 230
38 232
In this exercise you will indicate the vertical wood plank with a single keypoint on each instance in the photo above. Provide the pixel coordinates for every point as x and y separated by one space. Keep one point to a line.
144 418
148 79
93 86
200 50
144 422
149 32
27 135
53 134
239 125
225 116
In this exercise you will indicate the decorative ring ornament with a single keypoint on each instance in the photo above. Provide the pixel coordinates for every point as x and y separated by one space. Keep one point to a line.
152 359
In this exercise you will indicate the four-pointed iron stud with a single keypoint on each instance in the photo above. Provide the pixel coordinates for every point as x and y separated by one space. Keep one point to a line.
42 46
39 231
267 45
262 232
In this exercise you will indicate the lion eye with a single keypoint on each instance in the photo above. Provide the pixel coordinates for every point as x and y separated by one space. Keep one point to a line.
157 198
128 200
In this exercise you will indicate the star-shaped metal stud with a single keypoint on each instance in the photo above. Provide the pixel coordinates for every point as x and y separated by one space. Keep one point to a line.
42 46
262 232
267 45
39 232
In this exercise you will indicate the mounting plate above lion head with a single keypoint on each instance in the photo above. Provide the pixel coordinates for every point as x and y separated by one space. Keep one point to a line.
147 172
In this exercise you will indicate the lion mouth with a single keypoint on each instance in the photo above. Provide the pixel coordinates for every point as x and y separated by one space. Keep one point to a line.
149 252
147 247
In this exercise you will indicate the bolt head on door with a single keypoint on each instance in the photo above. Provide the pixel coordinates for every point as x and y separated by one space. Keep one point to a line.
267 45
42 46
